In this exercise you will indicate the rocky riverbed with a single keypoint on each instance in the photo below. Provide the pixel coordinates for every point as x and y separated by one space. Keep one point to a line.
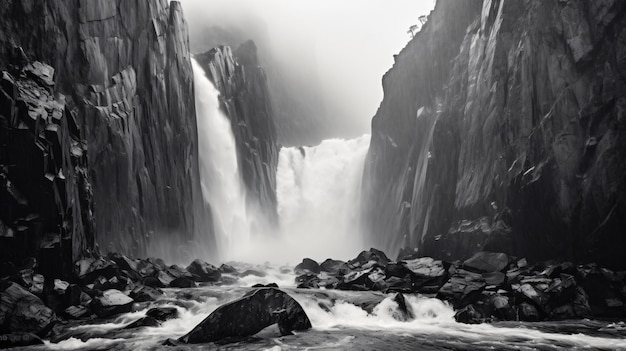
489 300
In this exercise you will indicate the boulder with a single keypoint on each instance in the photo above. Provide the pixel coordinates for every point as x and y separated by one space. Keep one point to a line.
462 288
371 255
335 267
250 314
21 311
502 308
494 278
528 312
426 267
405 312
8 341
468 315
307 265
225 268
308 281
146 293
111 302
484 261
162 313
204 272
77 312
182 282
89 269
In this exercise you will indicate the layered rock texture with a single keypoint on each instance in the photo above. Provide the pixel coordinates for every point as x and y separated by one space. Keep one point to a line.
502 129
245 99
125 66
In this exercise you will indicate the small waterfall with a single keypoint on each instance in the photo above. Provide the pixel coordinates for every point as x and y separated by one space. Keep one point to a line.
221 182
318 192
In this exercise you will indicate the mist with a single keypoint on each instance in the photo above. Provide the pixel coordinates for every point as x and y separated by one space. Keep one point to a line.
324 59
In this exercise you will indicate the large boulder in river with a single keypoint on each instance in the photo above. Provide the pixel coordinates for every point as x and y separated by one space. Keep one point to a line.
111 302
21 311
484 261
366 257
307 266
204 272
250 314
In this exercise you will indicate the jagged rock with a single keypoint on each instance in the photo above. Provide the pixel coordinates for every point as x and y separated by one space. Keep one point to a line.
89 269
249 315
60 286
308 281
182 282
307 265
426 267
405 311
144 322
462 288
8 341
335 267
77 312
21 311
146 293
502 308
204 272
366 257
111 302
487 262
528 312
494 278
224 268
162 313
468 315
38 283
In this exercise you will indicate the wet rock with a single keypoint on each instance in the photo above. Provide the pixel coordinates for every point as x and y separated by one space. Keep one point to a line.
38 283
462 288
249 315
204 272
335 267
153 282
123 262
307 266
21 311
426 267
182 282
398 270
502 308
356 280
89 269
146 293
370 255
494 278
528 312
111 302
77 312
487 262
60 286
224 268
529 292
405 312
8 341
144 322
308 281
162 313
468 315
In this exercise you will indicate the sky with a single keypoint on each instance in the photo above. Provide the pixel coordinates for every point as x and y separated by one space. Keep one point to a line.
349 44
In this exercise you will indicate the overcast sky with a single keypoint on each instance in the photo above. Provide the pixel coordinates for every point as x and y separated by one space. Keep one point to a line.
353 42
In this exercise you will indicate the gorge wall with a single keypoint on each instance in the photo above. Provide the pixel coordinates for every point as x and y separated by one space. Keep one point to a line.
123 88
245 99
502 128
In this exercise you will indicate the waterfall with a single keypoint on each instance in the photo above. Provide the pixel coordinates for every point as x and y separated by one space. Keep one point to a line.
222 186
318 192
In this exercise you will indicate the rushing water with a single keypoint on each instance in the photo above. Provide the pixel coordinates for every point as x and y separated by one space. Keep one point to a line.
340 323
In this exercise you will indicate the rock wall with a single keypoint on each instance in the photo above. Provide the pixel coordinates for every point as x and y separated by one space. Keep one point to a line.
126 67
502 128
245 98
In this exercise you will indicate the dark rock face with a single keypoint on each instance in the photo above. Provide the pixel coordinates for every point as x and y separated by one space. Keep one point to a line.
245 99
21 311
249 315
125 67
502 129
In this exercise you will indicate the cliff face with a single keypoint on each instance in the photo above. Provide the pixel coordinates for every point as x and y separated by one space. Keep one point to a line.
126 68
245 98
502 128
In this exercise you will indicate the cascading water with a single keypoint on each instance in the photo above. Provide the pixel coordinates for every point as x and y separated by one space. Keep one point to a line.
221 182
318 192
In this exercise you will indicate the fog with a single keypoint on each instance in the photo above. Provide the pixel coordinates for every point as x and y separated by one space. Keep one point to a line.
325 58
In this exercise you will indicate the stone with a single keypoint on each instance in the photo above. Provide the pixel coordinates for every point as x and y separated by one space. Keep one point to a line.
182 282
307 265
60 286
494 278
308 281
8 341
21 311
528 312
111 302
144 322
426 267
370 255
502 308
162 313
224 268
487 262
334 267
405 311
38 283
468 315
146 293
77 312
462 289
250 314
89 269
204 272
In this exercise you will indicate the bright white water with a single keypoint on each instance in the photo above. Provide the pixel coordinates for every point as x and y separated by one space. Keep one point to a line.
221 182
339 323
318 192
